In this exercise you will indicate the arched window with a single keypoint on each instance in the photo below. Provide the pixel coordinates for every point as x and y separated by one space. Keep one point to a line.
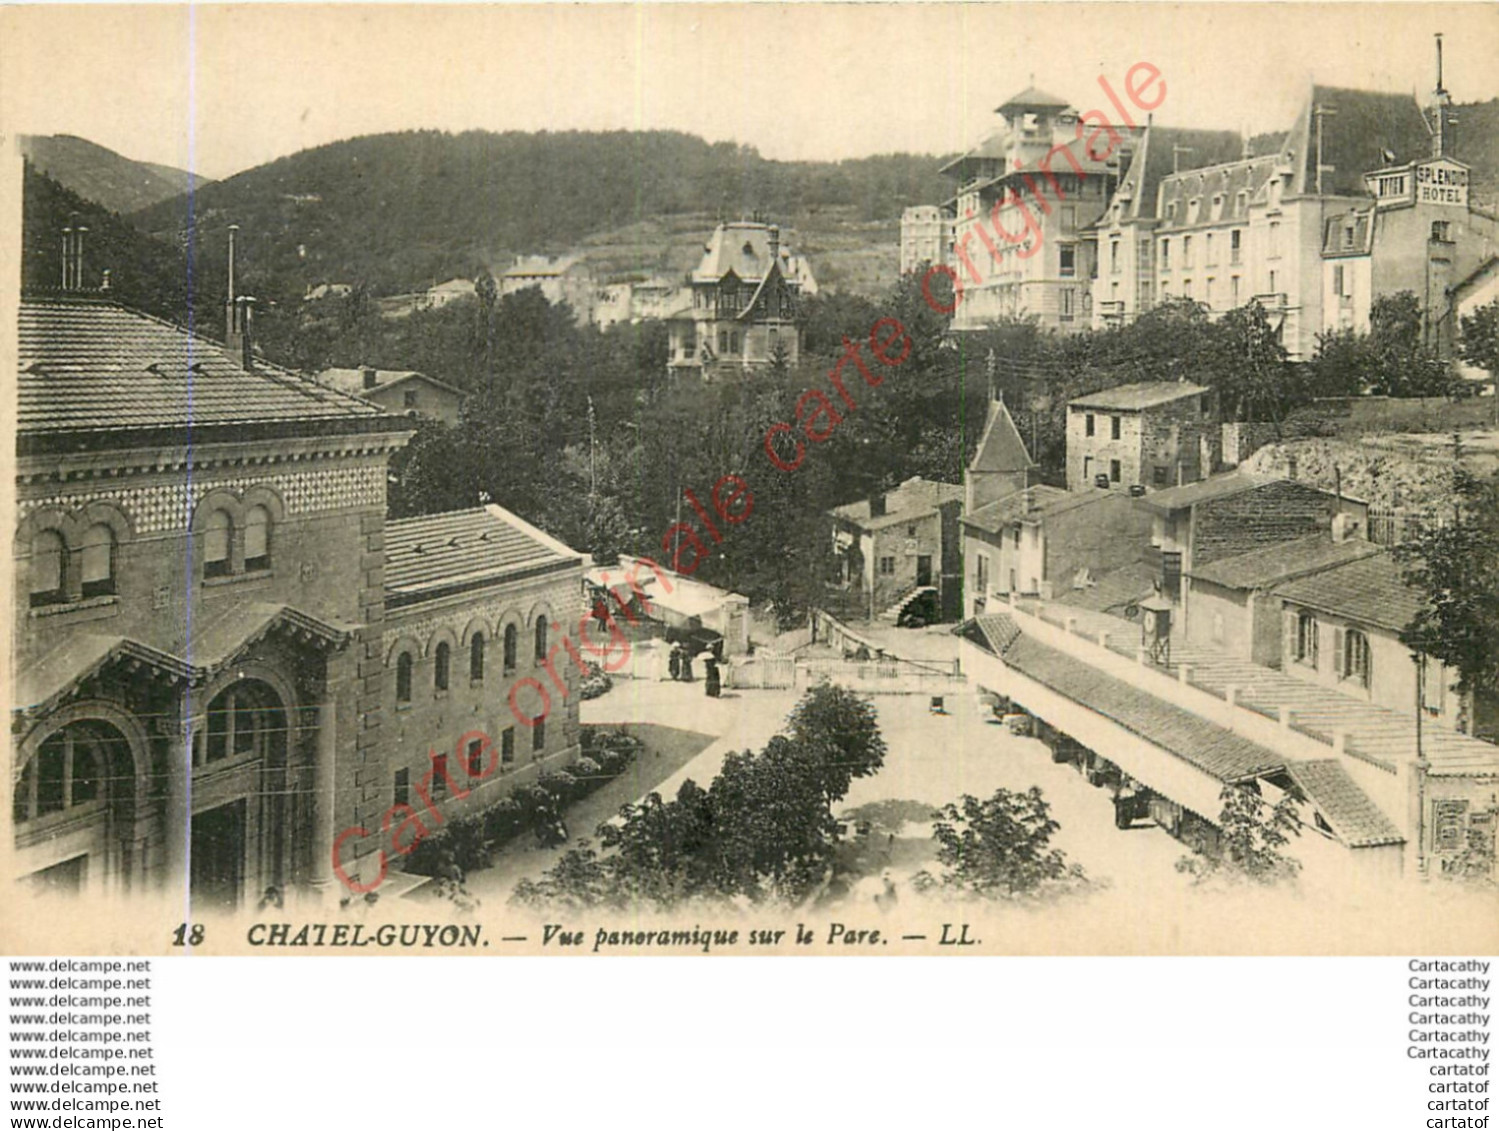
476 657
441 659
244 721
49 566
68 770
510 647
541 639
98 561
218 532
403 678
257 539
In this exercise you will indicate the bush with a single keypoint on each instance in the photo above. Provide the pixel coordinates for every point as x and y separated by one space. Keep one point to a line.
504 820
595 682
560 784
590 774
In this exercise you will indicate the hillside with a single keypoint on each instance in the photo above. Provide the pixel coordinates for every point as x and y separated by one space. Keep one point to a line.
144 272
104 176
1477 144
397 210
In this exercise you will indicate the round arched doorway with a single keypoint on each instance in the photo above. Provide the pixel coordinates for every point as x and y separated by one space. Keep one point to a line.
239 795
73 807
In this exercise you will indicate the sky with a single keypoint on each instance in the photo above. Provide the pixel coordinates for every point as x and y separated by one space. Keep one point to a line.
221 88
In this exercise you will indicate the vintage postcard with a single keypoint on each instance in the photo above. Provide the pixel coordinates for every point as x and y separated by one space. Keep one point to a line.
750 479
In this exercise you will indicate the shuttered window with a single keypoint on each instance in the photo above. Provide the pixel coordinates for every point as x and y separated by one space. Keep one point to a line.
258 539
48 562
97 550
217 533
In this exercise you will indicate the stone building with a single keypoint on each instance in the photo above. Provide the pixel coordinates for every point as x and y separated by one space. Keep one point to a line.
401 391
1125 278
739 312
1253 229
1039 154
207 686
898 545
1148 436
925 237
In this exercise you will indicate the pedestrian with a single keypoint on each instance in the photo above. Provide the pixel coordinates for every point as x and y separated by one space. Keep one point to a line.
687 665
676 661
713 686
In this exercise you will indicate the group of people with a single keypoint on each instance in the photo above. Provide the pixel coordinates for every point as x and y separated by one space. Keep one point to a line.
679 662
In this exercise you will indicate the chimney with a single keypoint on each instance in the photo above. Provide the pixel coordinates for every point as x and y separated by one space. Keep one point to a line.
775 242
1291 468
877 506
1441 105
72 254
243 346
368 374
231 312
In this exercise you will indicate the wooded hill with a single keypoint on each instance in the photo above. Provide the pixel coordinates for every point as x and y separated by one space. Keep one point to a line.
397 211
104 176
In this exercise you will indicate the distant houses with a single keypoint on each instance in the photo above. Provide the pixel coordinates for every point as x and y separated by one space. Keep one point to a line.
738 311
402 391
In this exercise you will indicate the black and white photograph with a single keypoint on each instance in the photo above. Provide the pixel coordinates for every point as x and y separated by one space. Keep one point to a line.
784 479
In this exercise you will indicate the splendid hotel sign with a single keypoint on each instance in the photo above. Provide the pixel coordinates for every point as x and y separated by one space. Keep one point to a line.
1442 182
1438 181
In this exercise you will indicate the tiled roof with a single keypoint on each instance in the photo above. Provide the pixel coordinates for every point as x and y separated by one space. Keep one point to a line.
352 380
95 365
1284 561
1211 748
1366 125
1133 398
742 247
1353 818
1223 192
992 148
997 632
1218 487
912 499
1032 503
1369 591
437 551
1118 588
1033 98
1001 448
1164 151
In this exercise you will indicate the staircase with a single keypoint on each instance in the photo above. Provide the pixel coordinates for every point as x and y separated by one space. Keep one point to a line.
892 615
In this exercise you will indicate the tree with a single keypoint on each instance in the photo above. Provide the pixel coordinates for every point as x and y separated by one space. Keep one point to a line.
1251 839
1453 561
840 731
1000 848
1479 343
763 831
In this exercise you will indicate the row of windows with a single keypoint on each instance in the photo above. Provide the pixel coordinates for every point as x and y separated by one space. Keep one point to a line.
473 758
1235 248
442 659
1090 426
1352 659
62 574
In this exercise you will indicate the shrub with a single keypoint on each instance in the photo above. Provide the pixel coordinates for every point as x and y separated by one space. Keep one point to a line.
504 820
560 784
595 682
589 773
